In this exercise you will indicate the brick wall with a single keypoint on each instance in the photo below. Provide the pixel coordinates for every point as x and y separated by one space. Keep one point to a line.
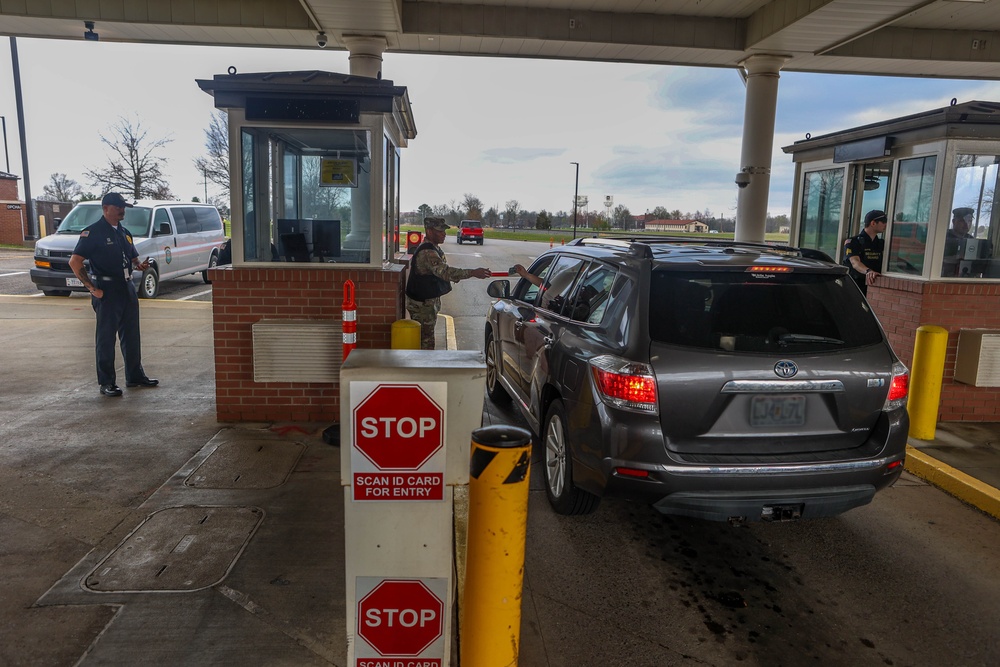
904 305
242 296
12 231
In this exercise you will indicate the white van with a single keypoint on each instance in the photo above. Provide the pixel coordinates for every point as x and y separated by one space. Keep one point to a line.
180 238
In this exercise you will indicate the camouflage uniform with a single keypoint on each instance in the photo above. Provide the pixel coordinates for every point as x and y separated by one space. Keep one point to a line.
431 261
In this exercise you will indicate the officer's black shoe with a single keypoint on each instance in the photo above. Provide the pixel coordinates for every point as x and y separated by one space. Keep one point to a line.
143 382
111 390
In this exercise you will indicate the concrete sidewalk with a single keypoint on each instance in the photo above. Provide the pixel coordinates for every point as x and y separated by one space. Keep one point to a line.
90 484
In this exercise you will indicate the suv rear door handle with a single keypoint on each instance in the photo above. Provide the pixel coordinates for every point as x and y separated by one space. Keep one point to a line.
548 340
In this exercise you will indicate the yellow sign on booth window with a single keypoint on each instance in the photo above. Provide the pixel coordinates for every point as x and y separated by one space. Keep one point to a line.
338 173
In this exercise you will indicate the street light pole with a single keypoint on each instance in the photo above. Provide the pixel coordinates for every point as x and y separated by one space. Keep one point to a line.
576 195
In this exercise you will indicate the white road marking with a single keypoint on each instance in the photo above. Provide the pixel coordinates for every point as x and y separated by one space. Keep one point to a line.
185 298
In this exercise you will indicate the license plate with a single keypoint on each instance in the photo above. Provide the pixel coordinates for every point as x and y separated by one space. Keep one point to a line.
73 282
778 410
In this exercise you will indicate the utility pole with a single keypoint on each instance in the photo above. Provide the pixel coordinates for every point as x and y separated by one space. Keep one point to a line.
576 195
29 205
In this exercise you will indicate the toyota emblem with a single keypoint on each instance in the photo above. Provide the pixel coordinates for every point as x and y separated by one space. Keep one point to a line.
785 368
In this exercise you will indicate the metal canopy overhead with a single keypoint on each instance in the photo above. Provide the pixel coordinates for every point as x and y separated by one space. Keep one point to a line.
932 38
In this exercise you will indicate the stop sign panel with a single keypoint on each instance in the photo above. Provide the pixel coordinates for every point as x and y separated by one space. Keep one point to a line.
400 618
397 443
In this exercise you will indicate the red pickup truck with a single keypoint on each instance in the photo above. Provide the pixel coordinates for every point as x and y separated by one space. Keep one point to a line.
470 230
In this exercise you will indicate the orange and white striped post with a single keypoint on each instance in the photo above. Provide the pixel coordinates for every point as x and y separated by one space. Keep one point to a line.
350 315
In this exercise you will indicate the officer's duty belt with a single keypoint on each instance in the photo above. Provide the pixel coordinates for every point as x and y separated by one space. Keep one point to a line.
109 279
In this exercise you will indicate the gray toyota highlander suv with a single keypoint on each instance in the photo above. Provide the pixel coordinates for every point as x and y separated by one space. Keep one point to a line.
713 379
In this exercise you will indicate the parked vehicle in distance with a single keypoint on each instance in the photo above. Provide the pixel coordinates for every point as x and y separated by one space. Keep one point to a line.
712 379
470 230
180 238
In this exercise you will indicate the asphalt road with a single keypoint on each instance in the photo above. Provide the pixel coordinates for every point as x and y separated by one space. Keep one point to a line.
15 280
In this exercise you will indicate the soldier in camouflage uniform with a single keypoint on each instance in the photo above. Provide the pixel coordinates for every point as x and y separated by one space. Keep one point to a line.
430 277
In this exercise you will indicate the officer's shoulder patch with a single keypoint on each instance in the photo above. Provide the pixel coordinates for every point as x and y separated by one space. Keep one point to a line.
85 233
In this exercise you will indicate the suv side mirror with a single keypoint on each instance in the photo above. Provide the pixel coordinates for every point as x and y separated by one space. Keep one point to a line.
499 289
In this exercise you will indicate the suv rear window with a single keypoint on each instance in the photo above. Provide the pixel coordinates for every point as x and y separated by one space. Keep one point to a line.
735 312
471 224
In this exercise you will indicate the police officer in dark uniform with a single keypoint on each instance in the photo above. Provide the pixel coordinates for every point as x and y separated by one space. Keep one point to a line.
864 251
108 246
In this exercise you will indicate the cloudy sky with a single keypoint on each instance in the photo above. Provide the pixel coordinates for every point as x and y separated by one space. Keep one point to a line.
499 129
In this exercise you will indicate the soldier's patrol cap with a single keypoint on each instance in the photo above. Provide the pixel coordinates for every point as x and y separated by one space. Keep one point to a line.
436 223
962 212
115 199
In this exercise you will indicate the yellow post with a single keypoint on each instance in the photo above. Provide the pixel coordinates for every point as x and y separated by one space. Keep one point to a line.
490 627
405 335
925 380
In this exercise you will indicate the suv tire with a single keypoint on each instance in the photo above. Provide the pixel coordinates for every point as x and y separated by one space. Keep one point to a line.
564 496
494 389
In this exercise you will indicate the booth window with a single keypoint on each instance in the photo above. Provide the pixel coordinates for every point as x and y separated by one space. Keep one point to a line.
911 219
306 195
969 243
822 200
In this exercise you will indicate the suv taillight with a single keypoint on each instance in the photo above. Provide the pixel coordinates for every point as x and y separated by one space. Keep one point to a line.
625 384
899 387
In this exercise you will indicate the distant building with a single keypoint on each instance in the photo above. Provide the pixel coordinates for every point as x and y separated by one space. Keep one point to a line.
12 217
677 226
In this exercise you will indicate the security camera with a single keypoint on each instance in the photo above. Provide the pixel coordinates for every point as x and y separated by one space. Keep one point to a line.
742 179
321 39
90 35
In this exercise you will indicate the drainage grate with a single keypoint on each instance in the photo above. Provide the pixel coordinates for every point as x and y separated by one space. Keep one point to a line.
177 549
257 461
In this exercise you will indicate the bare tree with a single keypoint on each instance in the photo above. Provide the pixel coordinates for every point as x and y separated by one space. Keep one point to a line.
473 207
512 208
133 166
62 189
215 165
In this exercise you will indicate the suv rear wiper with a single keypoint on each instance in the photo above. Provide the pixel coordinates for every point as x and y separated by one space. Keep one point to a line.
785 339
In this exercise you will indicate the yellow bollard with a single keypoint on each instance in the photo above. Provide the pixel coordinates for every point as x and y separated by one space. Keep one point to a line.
490 627
925 380
405 335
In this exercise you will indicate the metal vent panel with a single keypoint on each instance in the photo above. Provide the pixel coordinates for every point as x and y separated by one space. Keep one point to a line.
297 351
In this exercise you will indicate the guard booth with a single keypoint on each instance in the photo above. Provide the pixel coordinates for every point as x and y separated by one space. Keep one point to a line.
314 162
919 169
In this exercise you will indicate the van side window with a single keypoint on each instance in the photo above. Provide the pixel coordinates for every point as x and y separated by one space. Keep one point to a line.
208 219
190 214
160 216
180 220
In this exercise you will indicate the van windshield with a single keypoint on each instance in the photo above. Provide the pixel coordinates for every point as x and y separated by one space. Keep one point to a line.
83 215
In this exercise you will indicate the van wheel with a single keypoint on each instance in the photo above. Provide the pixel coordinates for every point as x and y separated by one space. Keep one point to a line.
564 496
212 263
150 285
55 292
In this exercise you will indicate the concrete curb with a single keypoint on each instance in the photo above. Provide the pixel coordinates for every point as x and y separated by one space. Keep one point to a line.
967 489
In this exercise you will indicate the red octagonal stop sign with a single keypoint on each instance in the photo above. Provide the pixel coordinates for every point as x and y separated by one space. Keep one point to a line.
398 427
400 618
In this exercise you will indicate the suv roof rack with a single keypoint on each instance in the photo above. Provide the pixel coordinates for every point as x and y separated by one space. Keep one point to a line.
642 245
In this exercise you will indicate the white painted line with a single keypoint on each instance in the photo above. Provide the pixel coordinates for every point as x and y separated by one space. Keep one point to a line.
17 273
185 298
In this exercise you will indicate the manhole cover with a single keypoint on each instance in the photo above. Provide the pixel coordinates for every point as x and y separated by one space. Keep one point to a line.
258 461
177 549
